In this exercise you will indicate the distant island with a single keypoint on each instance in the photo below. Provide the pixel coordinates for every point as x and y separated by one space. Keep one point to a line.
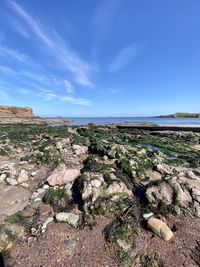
180 115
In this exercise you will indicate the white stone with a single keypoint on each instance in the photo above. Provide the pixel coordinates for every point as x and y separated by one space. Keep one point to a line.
23 176
11 181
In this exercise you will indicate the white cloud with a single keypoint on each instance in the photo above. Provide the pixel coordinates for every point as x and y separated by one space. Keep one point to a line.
69 87
68 99
5 51
124 57
55 46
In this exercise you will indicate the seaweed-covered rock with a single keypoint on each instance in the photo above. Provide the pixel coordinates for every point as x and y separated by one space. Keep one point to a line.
8 233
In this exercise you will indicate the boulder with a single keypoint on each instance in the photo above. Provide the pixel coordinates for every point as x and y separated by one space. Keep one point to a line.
62 175
160 228
13 199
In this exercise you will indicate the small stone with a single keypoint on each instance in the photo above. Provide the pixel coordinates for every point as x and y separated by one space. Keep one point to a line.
23 176
160 228
70 218
40 190
33 174
45 186
70 243
2 177
44 226
11 181
146 216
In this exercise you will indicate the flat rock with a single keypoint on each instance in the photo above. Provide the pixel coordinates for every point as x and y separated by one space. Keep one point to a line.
13 199
62 175
70 218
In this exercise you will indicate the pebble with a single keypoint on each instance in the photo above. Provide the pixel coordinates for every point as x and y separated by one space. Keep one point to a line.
40 190
44 226
11 181
146 216
2 177
70 243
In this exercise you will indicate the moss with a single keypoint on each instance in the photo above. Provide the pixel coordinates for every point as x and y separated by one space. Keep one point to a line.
147 261
15 218
124 259
58 199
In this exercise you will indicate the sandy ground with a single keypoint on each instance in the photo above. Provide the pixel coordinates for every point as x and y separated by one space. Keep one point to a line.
64 246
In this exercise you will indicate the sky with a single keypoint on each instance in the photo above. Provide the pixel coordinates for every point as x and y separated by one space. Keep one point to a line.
100 57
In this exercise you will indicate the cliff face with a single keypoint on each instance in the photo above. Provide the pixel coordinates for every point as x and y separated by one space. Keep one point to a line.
15 111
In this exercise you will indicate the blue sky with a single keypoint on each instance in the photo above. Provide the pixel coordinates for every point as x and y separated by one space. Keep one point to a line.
100 57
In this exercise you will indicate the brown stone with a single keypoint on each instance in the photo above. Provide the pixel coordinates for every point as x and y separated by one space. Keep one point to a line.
160 228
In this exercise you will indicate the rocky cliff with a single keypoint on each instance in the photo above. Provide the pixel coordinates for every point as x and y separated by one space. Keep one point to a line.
15 111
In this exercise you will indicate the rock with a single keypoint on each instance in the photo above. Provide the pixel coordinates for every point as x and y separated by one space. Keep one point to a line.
118 187
8 233
146 216
23 176
44 226
70 243
11 181
2 177
45 186
80 150
163 192
177 191
70 218
166 169
40 190
62 175
33 174
13 199
160 228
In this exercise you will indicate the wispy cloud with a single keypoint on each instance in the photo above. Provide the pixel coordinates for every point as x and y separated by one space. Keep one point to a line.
8 52
69 87
67 99
124 57
103 20
55 46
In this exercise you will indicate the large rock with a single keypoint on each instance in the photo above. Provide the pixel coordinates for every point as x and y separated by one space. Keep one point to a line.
13 199
160 228
182 190
62 175
70 218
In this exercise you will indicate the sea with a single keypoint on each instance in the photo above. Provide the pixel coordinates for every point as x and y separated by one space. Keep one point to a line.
134 120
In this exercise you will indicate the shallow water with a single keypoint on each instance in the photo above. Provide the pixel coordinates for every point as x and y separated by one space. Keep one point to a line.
109 120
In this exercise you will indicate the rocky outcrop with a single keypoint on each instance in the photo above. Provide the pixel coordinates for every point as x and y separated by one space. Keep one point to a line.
16 111
13 199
